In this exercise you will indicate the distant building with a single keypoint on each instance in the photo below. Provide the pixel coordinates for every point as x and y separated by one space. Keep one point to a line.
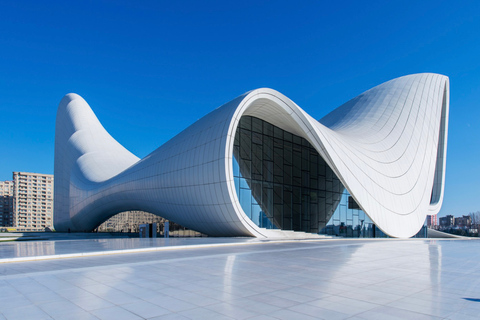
447 221
463 221
32 201
6 203
432 221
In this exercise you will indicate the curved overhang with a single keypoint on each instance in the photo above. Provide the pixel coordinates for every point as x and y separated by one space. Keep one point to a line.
272 106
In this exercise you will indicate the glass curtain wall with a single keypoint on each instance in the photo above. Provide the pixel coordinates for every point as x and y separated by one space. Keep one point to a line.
281 180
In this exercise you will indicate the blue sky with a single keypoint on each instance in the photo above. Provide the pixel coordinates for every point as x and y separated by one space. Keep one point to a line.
151 68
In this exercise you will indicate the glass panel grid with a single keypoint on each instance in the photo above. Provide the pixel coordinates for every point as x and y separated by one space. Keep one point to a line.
285 177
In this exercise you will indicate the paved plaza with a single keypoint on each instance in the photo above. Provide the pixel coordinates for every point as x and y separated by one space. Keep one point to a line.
215 278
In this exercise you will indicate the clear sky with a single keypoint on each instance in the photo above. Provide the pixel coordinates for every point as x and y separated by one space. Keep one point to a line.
151 68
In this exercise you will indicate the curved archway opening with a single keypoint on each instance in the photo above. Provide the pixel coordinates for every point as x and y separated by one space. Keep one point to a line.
130 221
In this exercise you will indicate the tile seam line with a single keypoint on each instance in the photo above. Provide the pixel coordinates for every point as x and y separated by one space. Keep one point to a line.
169 248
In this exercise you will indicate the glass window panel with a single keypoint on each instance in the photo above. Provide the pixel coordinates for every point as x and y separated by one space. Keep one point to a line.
328 174
336 185
277 173
267 171
236 168
267 129
257 214
322 210
297 195
313 165
305 159
305 179
297 164
257 125
268 148
278 133
236 181
287 209
278 143
246 201
245 145
343 213
245 123
256 190
297 216
305 193
321 168
287 136
256 162
287 153
277 194
329 197
278 165
277 214
314 219
256 138
244 184
267 199
236 141
297 140
287 175
355 221
245 169
322 183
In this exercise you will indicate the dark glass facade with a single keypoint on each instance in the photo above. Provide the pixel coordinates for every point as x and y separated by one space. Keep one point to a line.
281 180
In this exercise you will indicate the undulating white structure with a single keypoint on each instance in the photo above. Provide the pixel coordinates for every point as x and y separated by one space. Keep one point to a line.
259 164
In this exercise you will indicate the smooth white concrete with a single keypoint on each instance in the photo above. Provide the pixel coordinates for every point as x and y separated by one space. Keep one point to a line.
387 146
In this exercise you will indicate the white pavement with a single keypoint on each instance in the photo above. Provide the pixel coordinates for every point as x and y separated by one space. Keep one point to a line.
321 279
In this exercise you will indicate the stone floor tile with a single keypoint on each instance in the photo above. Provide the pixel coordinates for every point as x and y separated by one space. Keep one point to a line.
145 309
358 279
25 312
114 313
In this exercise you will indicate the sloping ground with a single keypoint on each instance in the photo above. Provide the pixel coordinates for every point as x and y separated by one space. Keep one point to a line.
431 233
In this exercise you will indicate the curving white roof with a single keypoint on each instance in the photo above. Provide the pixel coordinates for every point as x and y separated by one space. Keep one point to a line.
387 146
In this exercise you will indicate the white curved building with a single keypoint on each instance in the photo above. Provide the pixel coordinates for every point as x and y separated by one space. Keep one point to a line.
259 163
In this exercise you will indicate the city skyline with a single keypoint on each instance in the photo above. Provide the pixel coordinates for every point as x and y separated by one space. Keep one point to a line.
159 59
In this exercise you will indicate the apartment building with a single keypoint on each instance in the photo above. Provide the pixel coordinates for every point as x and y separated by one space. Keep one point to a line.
32 201
6 203
432 221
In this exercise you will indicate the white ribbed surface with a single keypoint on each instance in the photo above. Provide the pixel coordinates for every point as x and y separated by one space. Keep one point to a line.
382 145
